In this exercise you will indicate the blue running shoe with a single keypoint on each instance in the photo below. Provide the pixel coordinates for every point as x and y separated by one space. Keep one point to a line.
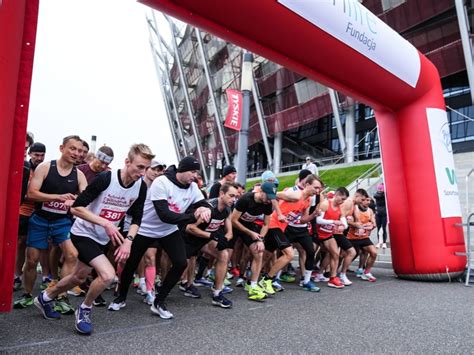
310 286
221 301
47 308
203 282
277 286
225 290
192 291
83 320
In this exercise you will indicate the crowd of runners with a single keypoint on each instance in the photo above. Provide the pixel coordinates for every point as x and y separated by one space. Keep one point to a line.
154 226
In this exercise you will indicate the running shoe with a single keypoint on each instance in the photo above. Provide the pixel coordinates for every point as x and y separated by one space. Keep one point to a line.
136 281
161 310
368 277
117 304
149 298
63 306
359 272
99 301
192 291
277 286
141 289
44 283
83 320
203 282
310 286
182 286
320 278
255 293
384 246
234 271
46 307
225 290
301 281
266 285
221 301
17 283
335 282
345 280
76 292
240 282
229 276
227 282
287 278
25 300
291 270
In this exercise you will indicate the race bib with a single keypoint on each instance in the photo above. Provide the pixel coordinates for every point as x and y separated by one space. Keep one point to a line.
55 207
110 215
247 217
328 228
214 225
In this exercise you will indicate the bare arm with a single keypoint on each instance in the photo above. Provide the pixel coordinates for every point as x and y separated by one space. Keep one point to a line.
34 194
266 225
289 195
194 230
236 223
228 228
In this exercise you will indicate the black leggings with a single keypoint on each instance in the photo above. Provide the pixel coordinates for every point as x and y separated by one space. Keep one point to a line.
173 245
381 221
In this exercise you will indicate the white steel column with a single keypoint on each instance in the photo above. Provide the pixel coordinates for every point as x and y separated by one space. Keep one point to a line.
184 87
217 114
350 131
277 146
466 43
337 119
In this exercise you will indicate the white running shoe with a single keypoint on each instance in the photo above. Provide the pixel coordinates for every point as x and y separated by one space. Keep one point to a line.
149 298
384 246
368 277
116 306
345 280
240 282
141 289
320 278
161 310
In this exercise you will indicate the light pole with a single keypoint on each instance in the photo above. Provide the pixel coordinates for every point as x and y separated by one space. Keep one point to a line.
246 87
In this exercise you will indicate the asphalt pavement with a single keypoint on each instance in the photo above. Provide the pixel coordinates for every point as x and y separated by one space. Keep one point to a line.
388 316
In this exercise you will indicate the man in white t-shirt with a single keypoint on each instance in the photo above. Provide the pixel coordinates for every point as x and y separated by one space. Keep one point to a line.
164 212
309 165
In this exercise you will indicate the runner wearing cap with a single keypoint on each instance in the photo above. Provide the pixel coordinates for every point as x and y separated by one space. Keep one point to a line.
228 175
247 209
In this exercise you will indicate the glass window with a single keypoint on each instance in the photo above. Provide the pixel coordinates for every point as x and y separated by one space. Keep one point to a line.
390 4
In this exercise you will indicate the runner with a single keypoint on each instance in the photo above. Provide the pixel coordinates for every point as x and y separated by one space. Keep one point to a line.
103 158
359 233
170 196
53 187
247 209
229 175
99 210
212 238
331 221
294 205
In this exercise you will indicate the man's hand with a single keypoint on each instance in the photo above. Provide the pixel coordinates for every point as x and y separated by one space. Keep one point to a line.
204 213
113 233
68 203
66 197
123 252
281 217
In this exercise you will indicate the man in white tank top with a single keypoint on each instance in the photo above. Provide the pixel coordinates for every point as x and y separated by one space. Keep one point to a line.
99 210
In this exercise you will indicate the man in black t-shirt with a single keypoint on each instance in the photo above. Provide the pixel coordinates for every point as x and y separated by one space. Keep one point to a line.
228 175
212 238
247 209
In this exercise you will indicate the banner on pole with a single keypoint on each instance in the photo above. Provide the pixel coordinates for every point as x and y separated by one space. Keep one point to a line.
233 119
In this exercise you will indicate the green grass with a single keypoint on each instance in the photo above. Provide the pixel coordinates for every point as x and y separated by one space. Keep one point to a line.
333 178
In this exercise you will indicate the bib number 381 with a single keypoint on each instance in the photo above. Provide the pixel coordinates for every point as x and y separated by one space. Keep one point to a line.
110 215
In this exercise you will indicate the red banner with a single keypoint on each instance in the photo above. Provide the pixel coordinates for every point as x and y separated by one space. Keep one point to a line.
233 119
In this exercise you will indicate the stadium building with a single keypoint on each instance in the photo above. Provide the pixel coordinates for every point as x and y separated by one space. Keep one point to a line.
292 117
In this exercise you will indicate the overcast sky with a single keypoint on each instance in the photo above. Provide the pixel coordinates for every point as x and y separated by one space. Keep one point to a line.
94 75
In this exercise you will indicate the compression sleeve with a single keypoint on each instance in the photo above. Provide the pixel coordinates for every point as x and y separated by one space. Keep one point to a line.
320 219
170 217
344 222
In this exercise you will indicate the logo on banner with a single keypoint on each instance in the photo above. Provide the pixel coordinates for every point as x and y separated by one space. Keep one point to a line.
233 119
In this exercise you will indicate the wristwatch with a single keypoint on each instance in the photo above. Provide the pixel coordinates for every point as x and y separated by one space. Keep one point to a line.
130 238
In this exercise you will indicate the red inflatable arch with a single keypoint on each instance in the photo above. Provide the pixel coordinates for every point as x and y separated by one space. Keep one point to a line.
336 42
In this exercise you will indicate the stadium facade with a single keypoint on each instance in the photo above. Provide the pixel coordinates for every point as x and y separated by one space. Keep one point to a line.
292 117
